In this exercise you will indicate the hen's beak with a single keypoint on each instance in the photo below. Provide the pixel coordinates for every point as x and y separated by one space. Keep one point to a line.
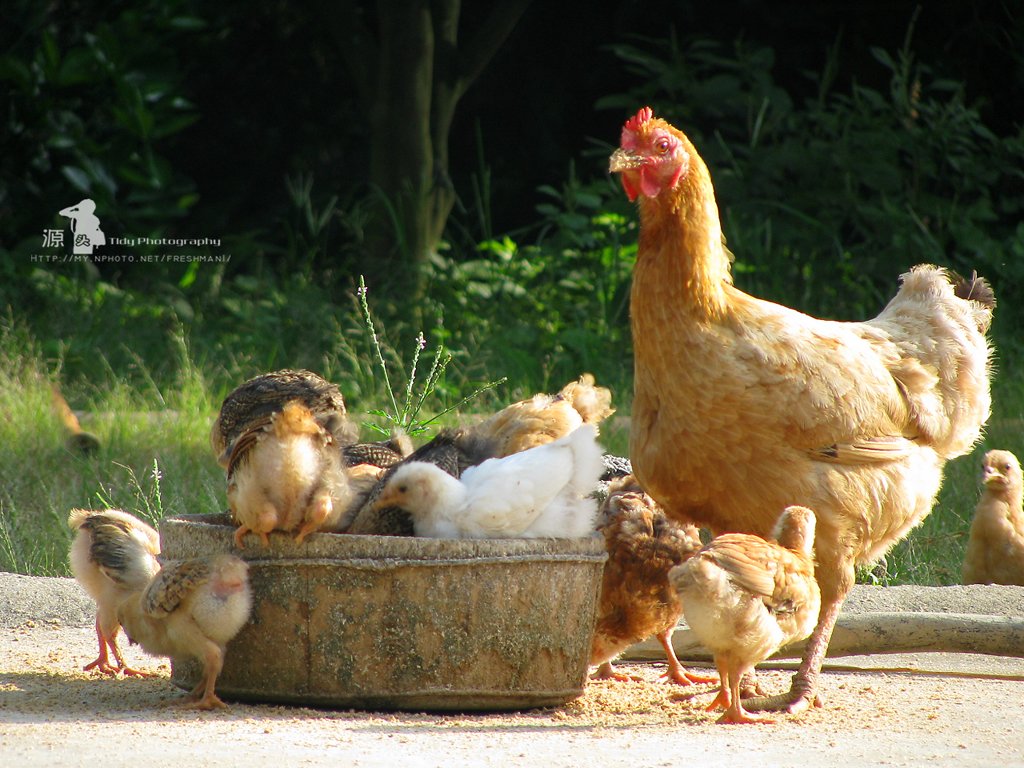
625 160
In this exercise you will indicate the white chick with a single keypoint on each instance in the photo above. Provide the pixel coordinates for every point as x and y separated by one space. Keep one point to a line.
543 491
113 554
192 607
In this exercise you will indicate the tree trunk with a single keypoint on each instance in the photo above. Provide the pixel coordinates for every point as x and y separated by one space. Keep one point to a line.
411 96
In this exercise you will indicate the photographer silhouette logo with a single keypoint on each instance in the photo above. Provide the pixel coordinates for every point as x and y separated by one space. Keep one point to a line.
85 228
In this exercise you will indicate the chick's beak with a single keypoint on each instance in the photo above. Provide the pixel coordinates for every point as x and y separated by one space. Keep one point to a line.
387 498
625 160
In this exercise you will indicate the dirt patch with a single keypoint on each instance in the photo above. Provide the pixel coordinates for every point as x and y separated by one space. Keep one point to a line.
937 709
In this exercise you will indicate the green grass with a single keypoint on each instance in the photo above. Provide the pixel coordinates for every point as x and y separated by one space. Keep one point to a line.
155 459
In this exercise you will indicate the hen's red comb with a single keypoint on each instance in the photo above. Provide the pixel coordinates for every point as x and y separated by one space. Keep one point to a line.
639 119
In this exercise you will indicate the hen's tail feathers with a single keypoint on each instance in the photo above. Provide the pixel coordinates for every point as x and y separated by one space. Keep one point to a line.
978 290
975 288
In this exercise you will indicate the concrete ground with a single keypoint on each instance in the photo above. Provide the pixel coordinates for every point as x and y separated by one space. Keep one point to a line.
935 707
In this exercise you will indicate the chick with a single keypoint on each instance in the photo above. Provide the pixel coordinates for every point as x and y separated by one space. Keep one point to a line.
287 475
636 599
543 491
113 554
77 440
745 598
995 550
543 418
453 450
192 608
250 405
383 453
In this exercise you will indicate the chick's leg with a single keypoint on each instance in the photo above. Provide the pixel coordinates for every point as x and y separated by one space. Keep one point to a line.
675 672
122 666
102 662
319 510
735 713
205 697
608 672
722 700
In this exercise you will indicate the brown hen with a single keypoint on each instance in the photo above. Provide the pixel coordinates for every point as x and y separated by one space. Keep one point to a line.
743 407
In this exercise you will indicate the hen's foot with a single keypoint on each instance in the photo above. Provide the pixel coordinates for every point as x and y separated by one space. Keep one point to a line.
800 698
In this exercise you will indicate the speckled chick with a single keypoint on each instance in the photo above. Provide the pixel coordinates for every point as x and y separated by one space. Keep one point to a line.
192 608
251 405
113 554
746 597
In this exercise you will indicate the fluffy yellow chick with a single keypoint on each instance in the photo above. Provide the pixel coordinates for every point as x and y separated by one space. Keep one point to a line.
113 554
192 608
287 475
746 597
995 550
543 418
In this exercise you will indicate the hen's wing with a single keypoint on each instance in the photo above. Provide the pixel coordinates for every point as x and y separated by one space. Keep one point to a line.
864 392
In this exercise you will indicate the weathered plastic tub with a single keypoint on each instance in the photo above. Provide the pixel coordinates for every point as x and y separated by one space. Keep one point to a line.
398 623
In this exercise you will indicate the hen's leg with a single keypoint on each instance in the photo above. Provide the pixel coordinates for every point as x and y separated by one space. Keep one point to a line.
675 672
735 713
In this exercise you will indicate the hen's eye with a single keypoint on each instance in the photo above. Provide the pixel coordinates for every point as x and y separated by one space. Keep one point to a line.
663 145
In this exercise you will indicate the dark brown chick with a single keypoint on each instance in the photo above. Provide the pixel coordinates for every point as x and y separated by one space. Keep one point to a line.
192 608
113 554
995 550
251 405
746 597
637 600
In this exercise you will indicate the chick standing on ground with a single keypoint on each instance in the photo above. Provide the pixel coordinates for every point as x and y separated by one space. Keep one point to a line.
745 598
637 600
543 491
287 475
995 550
113 554
194 608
